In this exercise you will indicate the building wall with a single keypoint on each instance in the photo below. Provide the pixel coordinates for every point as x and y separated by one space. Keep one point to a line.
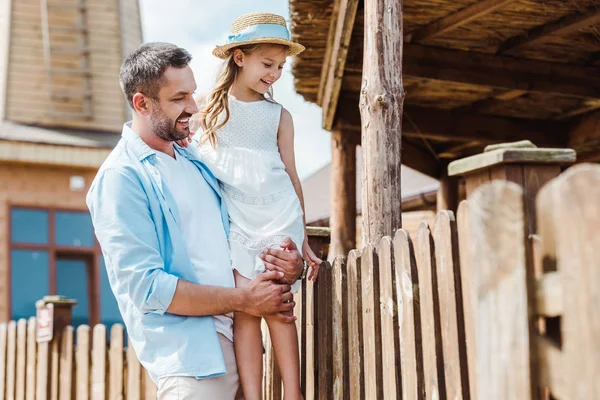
33 186
28 94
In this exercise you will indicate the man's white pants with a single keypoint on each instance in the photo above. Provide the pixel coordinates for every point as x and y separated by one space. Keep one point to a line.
187 387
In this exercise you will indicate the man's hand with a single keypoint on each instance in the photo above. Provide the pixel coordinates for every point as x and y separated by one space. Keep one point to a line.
287 260
264 297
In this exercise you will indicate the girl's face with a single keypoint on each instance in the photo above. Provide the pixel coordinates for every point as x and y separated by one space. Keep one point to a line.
260 69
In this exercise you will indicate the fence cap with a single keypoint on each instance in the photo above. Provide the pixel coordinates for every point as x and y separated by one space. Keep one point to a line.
521 152
56 300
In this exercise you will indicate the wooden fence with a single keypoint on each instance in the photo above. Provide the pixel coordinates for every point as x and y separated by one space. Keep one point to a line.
470 308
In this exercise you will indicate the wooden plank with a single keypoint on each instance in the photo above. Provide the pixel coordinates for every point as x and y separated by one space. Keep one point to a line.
341 383
567 206
5 29
549 294
3 339
66 364
115 360
134 376
549 32
82 363
497 242
355 333
54 363
11 353
301 329
551 371
411 347
324 334
31 359
21 359
388 305
371 324
381 102
469 294
310 354
149 386
432 361
98 373
459 18
501 72
336 61
476 179
451 306
42 371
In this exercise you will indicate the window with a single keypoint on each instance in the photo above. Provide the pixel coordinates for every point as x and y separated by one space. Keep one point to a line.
55 252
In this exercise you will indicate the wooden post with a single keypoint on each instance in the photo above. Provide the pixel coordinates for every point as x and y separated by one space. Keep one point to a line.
54 314
381 101
343 192
529 167
447 195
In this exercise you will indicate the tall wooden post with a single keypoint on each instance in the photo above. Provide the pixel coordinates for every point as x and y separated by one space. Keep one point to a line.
343 191
447 195
381 100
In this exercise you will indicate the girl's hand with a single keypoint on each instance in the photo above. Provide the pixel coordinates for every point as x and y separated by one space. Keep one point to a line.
186 142
312 260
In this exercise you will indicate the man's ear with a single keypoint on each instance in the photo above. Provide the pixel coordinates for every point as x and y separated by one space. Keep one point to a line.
141 103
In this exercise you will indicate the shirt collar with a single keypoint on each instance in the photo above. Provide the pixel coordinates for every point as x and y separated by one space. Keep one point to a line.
139 147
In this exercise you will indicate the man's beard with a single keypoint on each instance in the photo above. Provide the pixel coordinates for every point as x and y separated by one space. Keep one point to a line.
165 128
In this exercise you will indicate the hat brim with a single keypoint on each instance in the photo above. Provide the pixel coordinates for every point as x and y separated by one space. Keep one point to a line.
222 52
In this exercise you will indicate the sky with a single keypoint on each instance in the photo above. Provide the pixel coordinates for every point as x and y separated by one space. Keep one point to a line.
200 25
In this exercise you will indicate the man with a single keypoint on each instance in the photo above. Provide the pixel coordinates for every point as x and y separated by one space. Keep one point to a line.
162 226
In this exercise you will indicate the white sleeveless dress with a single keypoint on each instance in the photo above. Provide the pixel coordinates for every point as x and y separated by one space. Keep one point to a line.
259 194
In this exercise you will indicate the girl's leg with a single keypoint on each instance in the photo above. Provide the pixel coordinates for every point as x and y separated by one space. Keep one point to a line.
285 342
247 342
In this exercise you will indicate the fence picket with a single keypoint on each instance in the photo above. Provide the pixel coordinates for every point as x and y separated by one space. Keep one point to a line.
66 364
134 374
498 244
11 353
451 311
568 219
82 363
468 293
98 390
340 328
411 350
31 359
429 328
115 361
388 307
42 371
21 360
310 340
149 386
301 329
371 324
3 338
324 340
355 337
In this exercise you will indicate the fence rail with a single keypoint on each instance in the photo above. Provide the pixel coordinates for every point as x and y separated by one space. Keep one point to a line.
473 307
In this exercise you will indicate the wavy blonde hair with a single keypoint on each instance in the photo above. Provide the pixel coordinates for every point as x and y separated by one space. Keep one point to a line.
217 100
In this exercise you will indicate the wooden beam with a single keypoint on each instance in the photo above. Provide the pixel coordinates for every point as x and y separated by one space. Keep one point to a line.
420 159
456 19
381 104
562 27
501 72
343 193
585 132
333 67
436 124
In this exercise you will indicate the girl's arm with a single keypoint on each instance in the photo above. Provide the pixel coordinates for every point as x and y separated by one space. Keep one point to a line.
285 141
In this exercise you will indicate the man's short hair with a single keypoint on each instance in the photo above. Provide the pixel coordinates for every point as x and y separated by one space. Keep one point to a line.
143 70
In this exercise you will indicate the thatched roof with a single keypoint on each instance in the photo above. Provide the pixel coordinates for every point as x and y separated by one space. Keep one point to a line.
519 60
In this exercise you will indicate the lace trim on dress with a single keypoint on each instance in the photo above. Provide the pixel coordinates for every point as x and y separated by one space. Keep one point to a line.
270 241
240 196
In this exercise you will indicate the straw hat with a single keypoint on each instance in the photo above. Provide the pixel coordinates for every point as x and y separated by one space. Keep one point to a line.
258 28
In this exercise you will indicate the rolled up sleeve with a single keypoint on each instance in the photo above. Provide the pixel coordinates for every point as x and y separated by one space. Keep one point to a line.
127 235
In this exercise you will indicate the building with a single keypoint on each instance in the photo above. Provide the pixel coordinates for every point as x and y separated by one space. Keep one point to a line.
61 112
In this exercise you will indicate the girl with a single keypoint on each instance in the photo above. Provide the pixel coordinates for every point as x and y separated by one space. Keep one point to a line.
248 143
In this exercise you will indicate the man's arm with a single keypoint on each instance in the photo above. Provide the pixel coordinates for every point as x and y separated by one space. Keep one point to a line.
125 229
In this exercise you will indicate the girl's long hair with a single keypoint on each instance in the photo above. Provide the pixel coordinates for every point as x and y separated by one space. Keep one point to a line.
217 100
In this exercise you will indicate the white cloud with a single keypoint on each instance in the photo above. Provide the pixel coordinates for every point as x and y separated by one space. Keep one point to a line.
199 25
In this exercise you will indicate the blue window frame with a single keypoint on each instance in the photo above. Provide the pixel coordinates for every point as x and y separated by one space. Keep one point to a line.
55 252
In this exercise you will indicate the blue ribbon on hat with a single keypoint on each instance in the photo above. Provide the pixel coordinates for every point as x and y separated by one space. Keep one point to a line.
260 31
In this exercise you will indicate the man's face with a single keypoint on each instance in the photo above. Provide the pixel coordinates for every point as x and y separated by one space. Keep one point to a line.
171 112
